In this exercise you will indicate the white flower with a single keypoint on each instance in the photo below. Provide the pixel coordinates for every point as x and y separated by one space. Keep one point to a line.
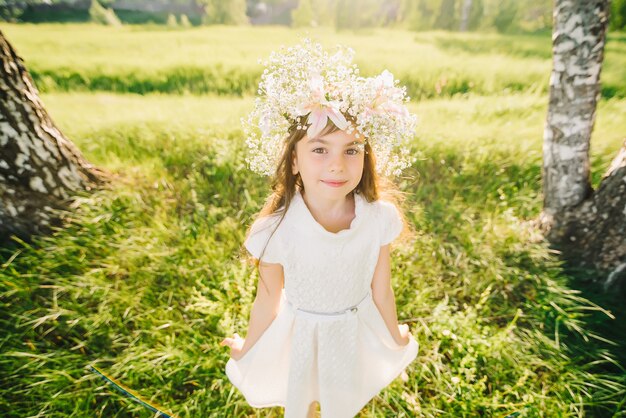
306 82
319 109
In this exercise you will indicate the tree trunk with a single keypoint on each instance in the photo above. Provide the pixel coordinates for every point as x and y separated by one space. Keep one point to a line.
588 226
446 18
40 169
465 15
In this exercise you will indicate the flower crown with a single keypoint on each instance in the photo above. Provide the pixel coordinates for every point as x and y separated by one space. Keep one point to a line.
304 85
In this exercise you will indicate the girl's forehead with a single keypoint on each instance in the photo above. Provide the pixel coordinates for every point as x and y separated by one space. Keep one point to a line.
339 137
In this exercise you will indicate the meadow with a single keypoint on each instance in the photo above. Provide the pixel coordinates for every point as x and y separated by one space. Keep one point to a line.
143 59
149 275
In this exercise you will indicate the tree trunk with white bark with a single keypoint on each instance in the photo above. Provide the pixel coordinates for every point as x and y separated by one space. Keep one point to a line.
588 226
465 15
40 169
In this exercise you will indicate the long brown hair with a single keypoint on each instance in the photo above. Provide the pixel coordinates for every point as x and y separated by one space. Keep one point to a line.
283 184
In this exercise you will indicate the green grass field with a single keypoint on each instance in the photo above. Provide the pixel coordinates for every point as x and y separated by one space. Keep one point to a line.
146 279
223 60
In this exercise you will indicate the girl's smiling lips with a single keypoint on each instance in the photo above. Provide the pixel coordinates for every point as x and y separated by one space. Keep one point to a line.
334 183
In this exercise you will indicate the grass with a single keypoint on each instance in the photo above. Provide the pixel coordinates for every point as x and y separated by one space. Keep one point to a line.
145 279
223 60
474 125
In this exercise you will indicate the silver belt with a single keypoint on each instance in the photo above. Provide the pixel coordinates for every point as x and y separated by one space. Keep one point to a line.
351 309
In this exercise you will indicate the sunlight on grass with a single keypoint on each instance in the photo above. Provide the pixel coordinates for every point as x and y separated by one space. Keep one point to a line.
146 278
224 59
513 123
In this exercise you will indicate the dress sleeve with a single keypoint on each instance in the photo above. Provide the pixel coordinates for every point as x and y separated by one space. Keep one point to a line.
390 222
261 237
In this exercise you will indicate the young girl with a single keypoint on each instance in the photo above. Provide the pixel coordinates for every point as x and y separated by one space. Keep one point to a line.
323 327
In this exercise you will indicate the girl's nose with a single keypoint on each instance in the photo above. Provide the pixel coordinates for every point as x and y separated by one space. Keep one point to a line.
337 163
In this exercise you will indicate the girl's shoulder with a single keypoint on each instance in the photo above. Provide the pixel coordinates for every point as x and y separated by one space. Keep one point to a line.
262 240
267 221
264 222
388 219
382 204
383 209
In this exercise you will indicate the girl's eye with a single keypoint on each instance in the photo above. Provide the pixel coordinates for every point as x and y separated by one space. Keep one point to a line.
351 151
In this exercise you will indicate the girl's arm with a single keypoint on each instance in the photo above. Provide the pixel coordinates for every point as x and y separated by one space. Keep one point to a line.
384 299
264 309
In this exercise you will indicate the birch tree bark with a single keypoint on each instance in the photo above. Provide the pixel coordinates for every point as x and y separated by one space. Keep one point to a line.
465 15
40 169
588 226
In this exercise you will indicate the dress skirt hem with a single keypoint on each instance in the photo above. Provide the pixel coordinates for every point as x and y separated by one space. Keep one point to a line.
265 374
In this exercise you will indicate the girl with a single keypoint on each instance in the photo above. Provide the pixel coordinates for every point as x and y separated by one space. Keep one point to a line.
323 327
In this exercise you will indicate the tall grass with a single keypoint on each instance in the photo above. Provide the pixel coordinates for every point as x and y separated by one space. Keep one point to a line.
144 281
222 60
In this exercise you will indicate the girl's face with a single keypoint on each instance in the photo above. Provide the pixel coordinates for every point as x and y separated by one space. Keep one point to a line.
331 166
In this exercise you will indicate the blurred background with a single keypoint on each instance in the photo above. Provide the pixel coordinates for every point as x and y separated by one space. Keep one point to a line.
504 16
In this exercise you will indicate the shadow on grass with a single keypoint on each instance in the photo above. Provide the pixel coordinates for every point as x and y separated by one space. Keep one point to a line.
146 280
612 299
459 194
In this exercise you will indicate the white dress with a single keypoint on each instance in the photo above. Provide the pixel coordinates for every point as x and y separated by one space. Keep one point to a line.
315 349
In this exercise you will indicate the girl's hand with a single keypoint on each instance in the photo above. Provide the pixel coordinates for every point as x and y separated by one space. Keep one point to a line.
405 334
235 344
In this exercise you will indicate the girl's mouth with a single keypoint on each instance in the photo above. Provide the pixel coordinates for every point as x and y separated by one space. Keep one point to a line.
334 183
